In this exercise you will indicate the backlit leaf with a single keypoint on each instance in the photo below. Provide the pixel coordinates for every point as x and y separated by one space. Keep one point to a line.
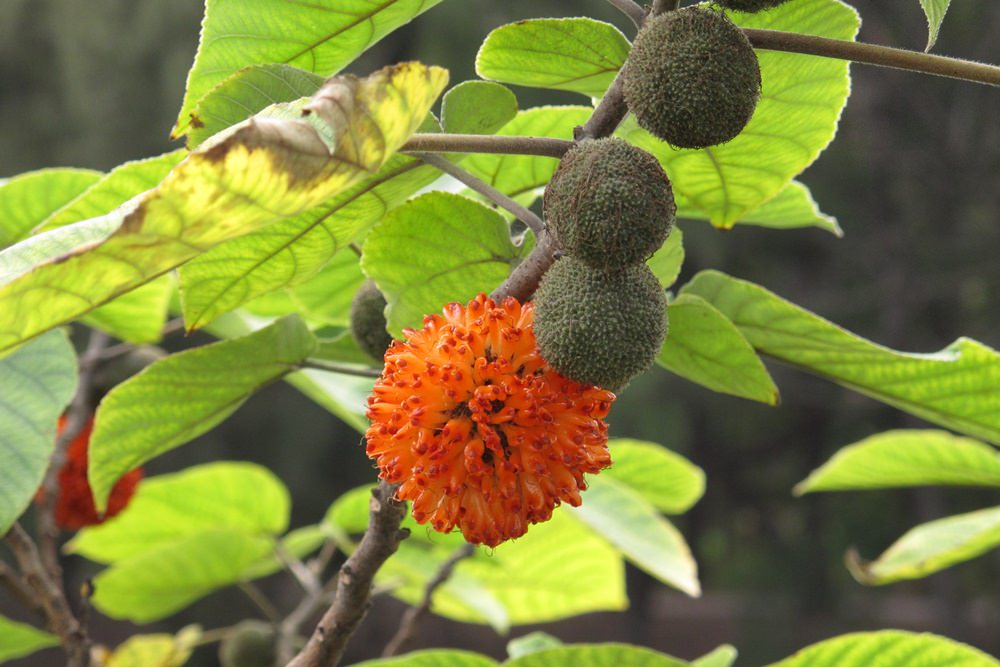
477 107
670 482
28 199
792 208
596 655
889 648
159 650
18 640
935 11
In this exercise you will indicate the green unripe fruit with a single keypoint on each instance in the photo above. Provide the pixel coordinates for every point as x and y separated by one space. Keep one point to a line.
368 321
600 327
692 78
250 645
609 204
749 5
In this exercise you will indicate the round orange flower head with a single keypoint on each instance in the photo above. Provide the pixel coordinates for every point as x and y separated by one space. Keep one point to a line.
75 506
480 433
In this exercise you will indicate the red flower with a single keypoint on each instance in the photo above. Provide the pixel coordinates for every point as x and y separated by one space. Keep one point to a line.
478 430
75 506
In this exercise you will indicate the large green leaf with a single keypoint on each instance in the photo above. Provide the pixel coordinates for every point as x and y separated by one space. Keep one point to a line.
137 316
18 640
792 208
935 11
576 54
956 388
28 199
184 395
294 251
37 381
477 107
160 581
114 189
596 655
432 658
164 509
436 249
159 650
705 347
931 547
906 458
801 100
246 92
889 648
631 523
320 37
670 482
253 175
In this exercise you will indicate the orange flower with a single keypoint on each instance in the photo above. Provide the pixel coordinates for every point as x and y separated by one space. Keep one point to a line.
478 430
75 505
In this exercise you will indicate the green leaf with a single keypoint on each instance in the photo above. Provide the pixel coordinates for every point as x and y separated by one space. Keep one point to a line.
522 176
724 656
670 482
955 388
596 655
631 523
906 458
580 55
238 496
184 395
159 650
160 581
477 107
931 547
137 316
251 176
802 97
246 92
705 347
935 11
114 189
531 643
18 640
888 648
432 658
37 381
321 37
667 261
28 199
295 251
436 249
792 208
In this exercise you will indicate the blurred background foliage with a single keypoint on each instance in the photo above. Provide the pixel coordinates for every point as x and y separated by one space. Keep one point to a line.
913 179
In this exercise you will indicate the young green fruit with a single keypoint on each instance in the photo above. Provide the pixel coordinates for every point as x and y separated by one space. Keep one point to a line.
368 321
749 5
692 78
600 327
609 204
252 644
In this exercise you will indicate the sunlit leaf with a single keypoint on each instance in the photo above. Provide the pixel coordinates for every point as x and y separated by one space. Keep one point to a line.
724 656
432 658
596 655
576 54
531 643
889 648
907 458
667 261
37 381
931 547
670 482
237 496
253 175
137 316
28 199
792 208
935 11
477 107
184 395
956 388
321 37
159 650
18 640
705 347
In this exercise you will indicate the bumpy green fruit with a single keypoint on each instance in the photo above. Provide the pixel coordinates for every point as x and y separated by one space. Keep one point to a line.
250 645
749 5
692 78
609 203
368 321
600 327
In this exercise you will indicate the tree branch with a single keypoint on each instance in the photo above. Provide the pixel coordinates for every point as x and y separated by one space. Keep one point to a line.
871 54
533 222
486 143
408 624
630 9
354 582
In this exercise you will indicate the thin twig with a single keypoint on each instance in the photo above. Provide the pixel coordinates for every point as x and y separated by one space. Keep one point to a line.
323 558
871 54
261 602
630 9
307 579
408 625
486 143
20 590
533 222
354 582
343 369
